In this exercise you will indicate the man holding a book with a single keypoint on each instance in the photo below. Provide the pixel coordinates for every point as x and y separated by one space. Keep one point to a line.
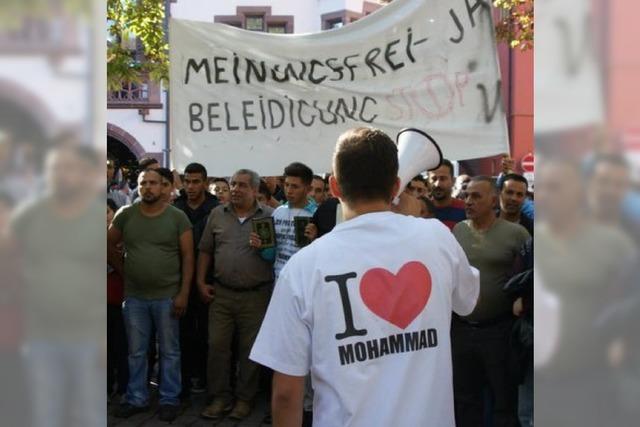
290 219
238 296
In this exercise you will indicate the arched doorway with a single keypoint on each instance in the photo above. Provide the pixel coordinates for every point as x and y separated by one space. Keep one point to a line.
125 151
125 161
120 153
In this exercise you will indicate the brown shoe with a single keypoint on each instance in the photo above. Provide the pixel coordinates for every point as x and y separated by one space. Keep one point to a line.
241 410
216 410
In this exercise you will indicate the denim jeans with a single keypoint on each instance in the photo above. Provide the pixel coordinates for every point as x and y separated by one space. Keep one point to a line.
139 317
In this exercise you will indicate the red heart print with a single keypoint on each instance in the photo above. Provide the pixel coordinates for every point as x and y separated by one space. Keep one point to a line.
398 298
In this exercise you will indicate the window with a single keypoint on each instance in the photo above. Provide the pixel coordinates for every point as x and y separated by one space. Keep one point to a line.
257 18
277 28
254 23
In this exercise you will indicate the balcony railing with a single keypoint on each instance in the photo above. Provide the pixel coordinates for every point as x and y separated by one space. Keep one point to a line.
135 95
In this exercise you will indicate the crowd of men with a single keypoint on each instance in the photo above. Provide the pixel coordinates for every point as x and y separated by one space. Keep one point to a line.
190 285
188 275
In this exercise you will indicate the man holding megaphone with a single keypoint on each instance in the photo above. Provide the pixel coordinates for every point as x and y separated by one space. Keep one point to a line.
366 309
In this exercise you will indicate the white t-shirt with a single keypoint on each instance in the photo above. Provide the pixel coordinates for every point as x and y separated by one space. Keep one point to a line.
403 276
286 233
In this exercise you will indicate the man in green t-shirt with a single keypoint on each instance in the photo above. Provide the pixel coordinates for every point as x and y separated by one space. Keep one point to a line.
157 270
480 341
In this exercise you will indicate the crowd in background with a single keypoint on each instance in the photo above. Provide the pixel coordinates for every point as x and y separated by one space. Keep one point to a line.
583 350
232 277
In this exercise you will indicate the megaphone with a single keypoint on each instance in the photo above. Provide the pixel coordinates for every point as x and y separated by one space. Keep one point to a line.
417 152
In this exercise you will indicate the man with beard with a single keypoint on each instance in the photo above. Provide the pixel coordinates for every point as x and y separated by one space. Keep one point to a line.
144 164
157 269
480 341
448 210
513 193
196 203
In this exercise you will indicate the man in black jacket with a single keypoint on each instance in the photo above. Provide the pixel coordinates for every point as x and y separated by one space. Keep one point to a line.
197 203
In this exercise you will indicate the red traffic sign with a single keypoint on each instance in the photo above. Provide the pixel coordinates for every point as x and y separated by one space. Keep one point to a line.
527 162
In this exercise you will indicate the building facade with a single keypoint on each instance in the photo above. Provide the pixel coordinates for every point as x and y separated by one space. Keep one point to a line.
138 115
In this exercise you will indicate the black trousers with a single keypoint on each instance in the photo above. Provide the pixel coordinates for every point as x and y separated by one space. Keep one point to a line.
117 365
194 327
480 362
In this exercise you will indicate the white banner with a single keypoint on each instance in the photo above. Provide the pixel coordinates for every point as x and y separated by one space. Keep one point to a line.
242 99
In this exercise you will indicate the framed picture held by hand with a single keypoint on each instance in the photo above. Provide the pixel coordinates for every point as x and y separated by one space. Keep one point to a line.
265 228
300 223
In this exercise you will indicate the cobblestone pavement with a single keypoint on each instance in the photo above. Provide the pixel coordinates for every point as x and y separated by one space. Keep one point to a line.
190 416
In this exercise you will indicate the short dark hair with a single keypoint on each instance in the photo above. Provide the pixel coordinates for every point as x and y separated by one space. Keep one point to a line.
220 180
196 168
512 177
418 178
485 178
447 163
318 177
145 162
299 170
365 163
165 173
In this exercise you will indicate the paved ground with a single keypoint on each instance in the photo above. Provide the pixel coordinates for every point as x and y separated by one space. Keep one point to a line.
189 417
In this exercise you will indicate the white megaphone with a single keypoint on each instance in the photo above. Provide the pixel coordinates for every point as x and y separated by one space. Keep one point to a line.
417 152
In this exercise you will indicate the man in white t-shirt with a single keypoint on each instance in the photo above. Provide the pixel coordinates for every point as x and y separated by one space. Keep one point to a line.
366 309
287 217
290 235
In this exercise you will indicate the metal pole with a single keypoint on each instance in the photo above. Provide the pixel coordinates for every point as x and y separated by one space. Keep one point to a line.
167 130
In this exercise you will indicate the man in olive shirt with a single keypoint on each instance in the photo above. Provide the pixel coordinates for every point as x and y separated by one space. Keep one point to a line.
480 341
157 270
239 295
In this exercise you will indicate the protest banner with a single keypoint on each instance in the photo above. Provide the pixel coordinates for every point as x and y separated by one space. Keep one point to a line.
247 99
